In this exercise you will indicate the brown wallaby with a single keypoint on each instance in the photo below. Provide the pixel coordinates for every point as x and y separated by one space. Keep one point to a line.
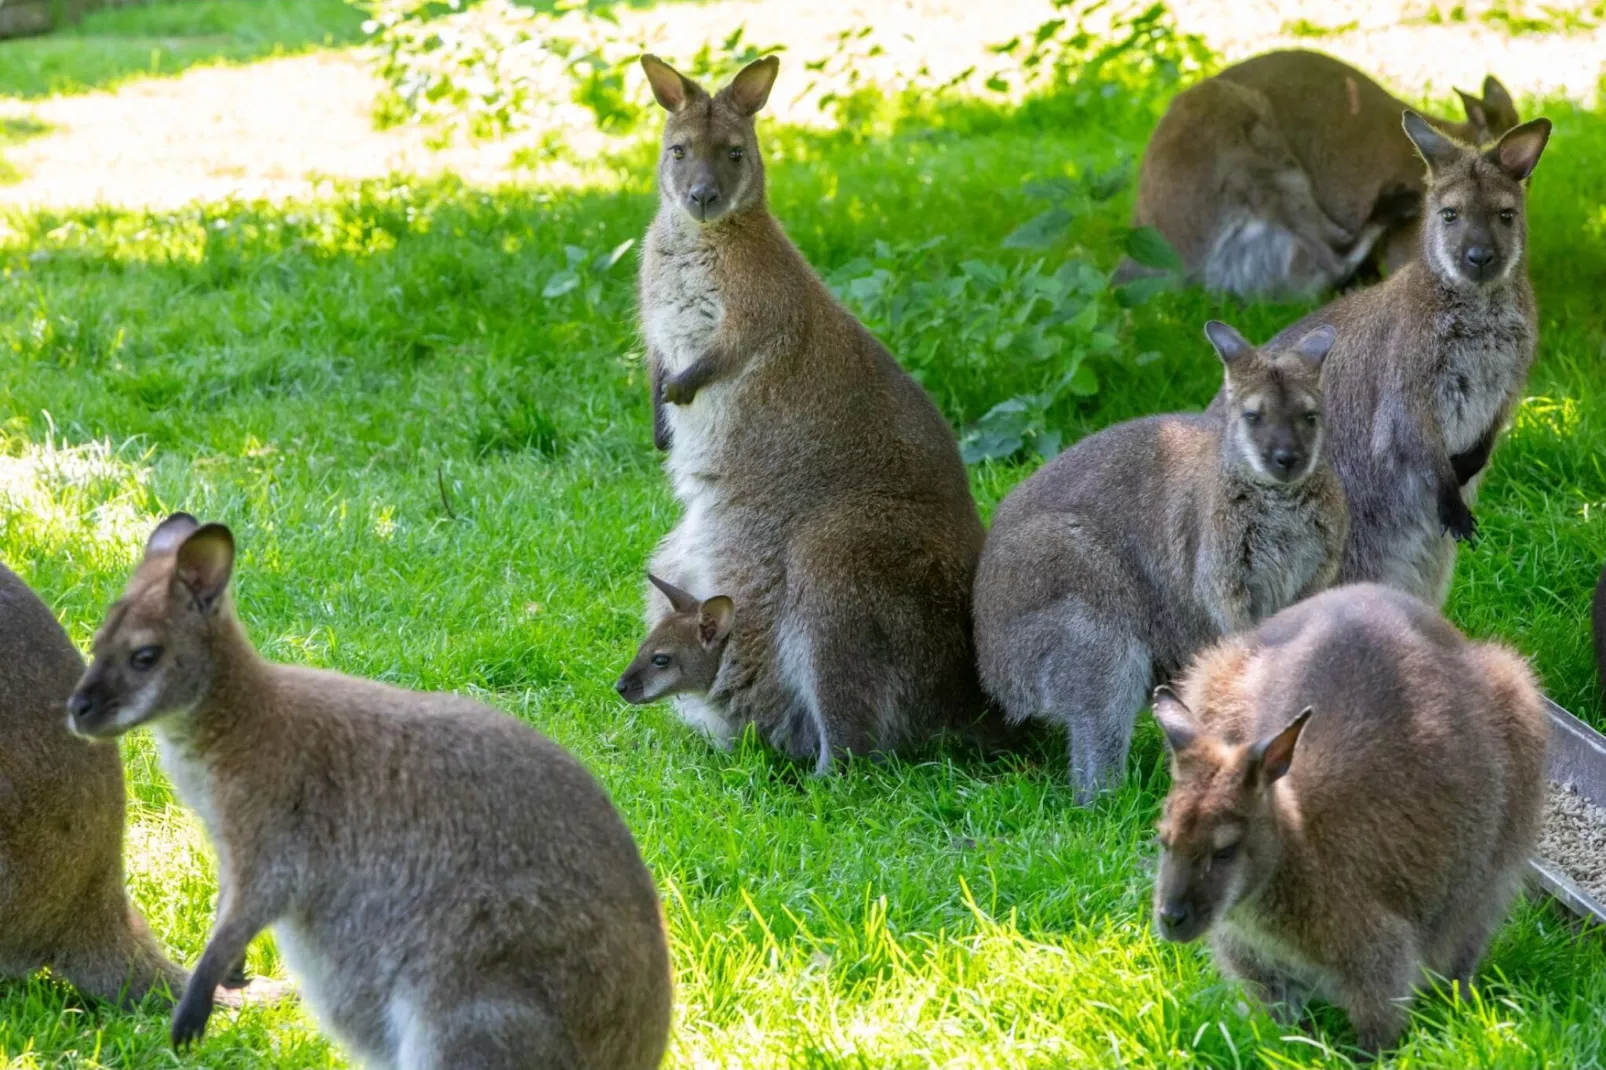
821 489
1430 364
1284 173
1356 790
449 888
62 898
1119 559
682 654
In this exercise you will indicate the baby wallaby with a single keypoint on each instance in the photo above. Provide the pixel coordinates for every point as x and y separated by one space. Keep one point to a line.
1283 174
1356 790
681 654
1430 364
1118 560
62 898
449 888
821 490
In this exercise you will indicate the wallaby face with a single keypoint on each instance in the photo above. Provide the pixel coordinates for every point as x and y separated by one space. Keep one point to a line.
1474 226
1274 402
151 657
1214 827
682 653
710 165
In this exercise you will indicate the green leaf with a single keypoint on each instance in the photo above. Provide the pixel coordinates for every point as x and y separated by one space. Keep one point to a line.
1148 247
1041 230
1141 291
609 259
1082 382
1047 444
560 284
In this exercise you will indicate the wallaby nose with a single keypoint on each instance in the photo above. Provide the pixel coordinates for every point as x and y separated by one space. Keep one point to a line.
1479 256
703 195
1286 460
79 705
1173 915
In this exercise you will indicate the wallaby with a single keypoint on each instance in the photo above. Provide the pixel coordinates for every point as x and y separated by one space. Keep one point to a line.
821 489
1356 791
1282 175
62 897
682 654
1430 364
1119 559
449 888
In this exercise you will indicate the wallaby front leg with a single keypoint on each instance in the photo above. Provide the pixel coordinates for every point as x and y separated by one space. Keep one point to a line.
240 918
1454 516
682 387
1472 461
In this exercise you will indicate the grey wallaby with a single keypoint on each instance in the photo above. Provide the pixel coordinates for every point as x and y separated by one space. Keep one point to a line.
62 897
1119 559
821 490
1286 173
1430 364
1356 790
681 655
449 888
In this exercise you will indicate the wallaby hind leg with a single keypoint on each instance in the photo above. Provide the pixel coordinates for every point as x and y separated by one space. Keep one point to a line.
1376 972
1094 684
835 686
1283 995
122 965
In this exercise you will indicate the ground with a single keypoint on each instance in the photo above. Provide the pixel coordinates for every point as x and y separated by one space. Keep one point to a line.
442 477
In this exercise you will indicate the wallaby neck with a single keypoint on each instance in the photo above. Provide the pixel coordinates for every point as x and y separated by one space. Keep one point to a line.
238 696
678 232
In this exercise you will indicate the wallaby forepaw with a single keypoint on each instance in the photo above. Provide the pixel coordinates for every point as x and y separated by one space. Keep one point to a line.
679 390
189 1021
1456 519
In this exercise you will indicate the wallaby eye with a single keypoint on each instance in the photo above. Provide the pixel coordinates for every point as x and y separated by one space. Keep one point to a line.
1251 417
1225 854
1449 215
144 658
1311 418
677 151
736 153
660 661
1508 215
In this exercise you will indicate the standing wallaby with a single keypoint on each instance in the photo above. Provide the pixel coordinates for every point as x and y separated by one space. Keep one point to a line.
62 898
821 489
1430 364
1356 791
681 655
1119 559
449 888
1282 175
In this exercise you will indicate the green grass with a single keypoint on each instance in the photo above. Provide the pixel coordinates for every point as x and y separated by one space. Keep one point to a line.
313 374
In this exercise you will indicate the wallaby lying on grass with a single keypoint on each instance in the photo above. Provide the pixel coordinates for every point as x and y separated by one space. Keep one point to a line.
1282 174
821 489
62 898
1356 791
1430 364
449 888
1122 557
682 654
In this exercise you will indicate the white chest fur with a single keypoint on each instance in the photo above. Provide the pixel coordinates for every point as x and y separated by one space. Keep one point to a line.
1481 368
190 779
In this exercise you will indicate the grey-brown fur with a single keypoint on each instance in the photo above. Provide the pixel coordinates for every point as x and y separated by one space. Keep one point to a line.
682 654
1118 560
62 897
821 489
1285 173
1356 792
1431 363
449 888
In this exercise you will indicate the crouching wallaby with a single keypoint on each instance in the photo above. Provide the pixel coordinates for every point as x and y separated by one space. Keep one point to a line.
449 888
62 898
1430 364
821 489
1282 175
681 655
1356 792
1122 557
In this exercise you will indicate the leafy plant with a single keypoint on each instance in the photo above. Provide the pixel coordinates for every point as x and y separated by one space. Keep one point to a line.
1100 46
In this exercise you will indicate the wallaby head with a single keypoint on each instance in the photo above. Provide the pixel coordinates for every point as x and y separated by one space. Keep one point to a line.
682 654
1217 832
1474 222
1490 115
154 654
710 166
1273 402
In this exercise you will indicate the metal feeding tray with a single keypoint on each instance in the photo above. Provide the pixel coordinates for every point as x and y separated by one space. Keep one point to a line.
1578 757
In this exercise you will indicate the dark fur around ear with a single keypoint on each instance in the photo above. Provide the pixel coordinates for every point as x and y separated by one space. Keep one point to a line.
1229 344
167 535
750 89
714 620
679 600
205 562
1176 720
1517 153
670 88
1437 149
1270 758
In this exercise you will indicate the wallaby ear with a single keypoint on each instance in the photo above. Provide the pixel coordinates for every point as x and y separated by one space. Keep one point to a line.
205 561
750 89
1230 345
1498 106
1438 150
670 88
170 533
714 620
1316 344
1477 116
1176 720
1517 153
1270 758
679 600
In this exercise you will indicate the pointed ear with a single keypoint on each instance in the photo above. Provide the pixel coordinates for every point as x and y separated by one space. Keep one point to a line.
1230 345
1437 150
205 561
1517 153
679 600
1315 345
1477 117
670 88
170 533
1176 720
714 620
750 89
1270 758
1498 106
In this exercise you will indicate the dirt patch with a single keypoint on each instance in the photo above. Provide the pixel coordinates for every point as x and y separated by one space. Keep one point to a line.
1574 838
